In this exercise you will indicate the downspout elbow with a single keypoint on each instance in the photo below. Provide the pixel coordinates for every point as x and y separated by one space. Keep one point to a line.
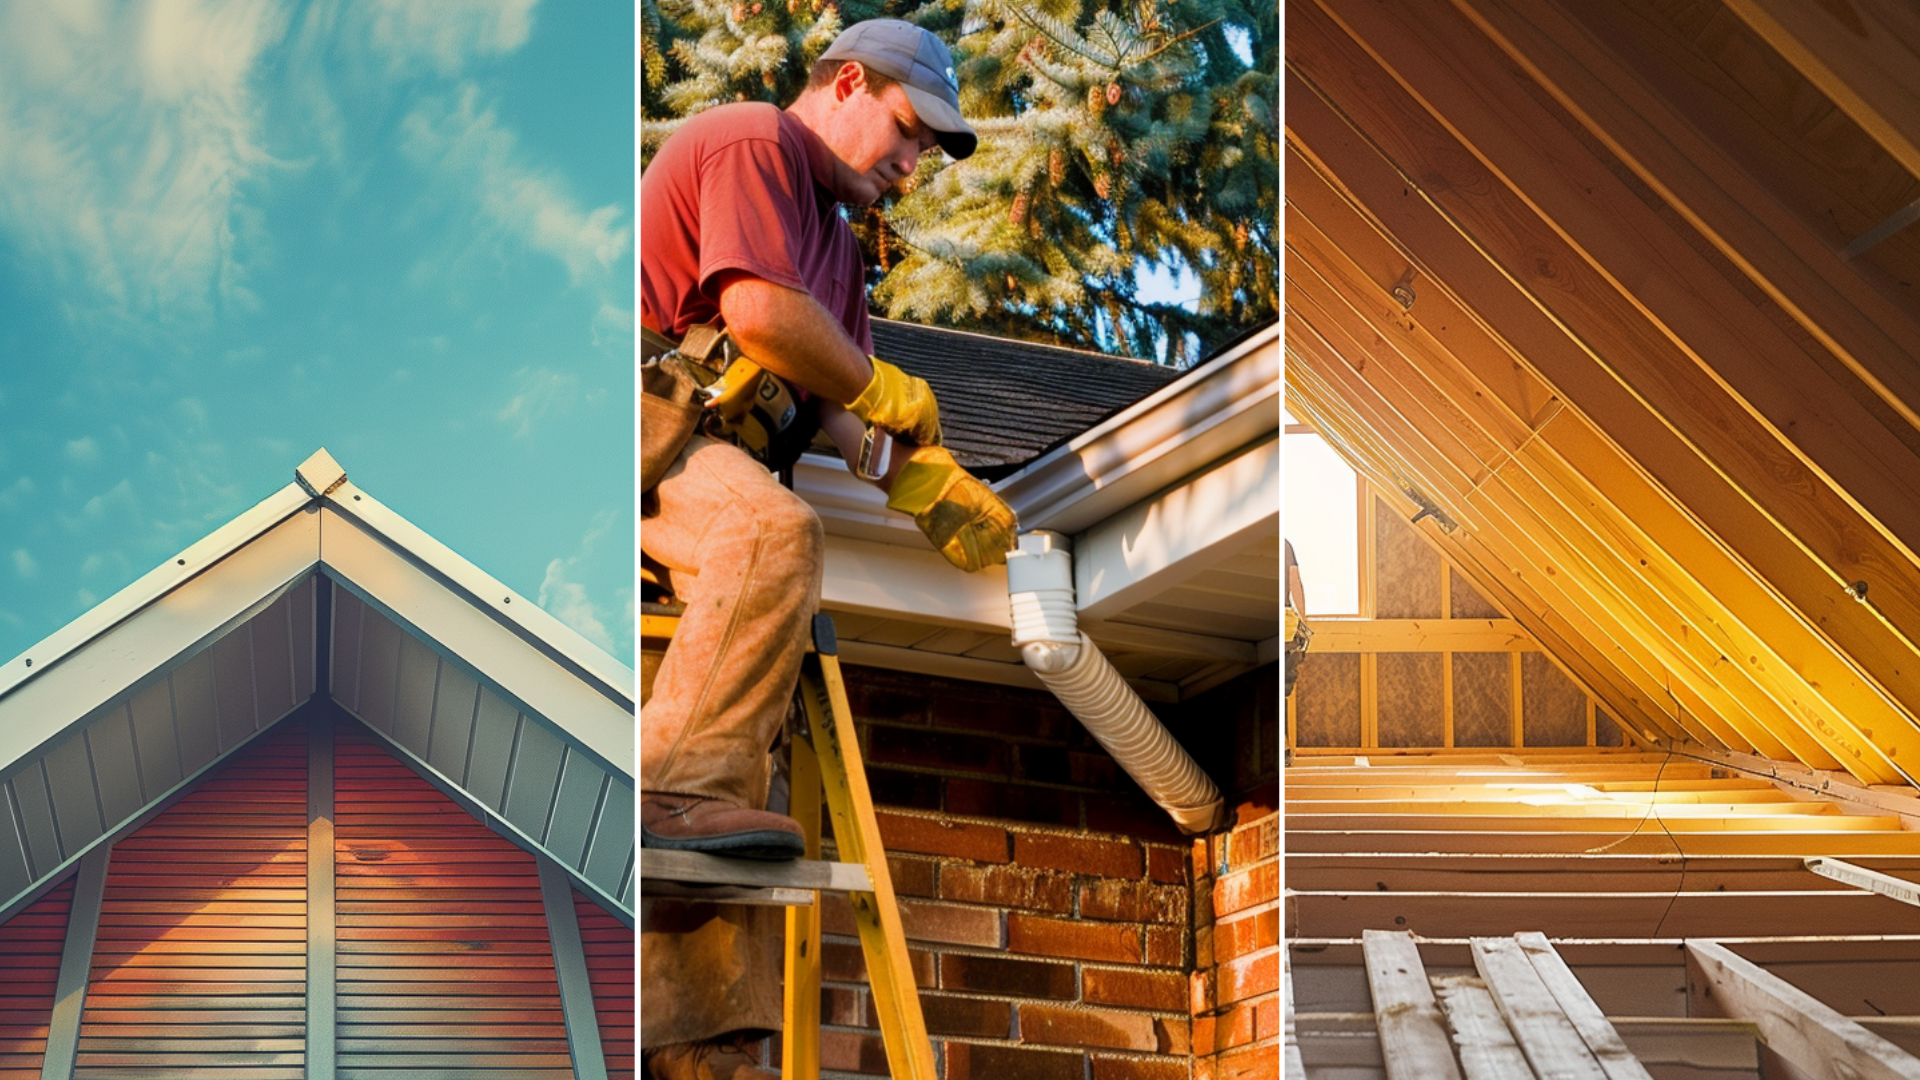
1047 633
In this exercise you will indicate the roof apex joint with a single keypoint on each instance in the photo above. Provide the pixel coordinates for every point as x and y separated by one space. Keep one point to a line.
320 474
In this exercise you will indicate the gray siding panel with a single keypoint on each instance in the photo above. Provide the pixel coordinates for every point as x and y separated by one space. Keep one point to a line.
272 662
193 713
413 711
452 733
493 730
233 687
75 802
110 742
611 848
300 660
347 612
573 809
153 739
535 775
379 670
36 819
14 873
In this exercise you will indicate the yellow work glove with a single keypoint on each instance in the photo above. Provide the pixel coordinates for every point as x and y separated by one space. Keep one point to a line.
961 515
899 403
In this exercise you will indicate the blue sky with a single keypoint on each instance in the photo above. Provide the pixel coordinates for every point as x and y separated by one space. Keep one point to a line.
231 233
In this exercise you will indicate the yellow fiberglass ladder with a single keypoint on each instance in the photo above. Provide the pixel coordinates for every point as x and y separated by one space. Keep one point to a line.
825 757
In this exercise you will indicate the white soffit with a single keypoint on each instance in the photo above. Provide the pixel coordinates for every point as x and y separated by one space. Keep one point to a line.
1155 545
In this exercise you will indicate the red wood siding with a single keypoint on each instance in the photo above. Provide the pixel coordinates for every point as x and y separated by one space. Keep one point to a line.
609 946
30 944
445 966
199 968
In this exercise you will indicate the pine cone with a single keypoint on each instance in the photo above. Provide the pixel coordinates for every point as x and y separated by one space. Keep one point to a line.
1115 153
1102 185
1113 93
1240 236
1019 211
1056 166
1096 101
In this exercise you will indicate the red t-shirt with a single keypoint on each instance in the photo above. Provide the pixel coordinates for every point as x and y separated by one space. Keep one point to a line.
743 187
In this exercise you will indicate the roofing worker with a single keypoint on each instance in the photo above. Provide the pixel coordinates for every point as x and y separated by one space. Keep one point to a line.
742 233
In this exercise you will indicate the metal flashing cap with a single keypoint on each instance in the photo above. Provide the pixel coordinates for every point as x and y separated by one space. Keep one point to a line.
922 66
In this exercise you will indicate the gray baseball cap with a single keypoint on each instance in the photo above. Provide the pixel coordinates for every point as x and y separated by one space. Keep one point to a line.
923 67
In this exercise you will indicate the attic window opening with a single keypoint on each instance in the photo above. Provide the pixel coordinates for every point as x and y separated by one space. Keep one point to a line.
1323 513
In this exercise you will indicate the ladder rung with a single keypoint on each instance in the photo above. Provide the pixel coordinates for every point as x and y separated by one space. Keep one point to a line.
694 868
727 894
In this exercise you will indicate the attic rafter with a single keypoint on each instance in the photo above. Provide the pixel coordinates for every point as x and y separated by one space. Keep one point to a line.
1784 535
1629 689
1743 220
1864 61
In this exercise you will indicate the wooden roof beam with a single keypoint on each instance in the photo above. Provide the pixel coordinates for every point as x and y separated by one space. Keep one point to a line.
1862 55
1731 512
1744 221
1773 729
1813 1038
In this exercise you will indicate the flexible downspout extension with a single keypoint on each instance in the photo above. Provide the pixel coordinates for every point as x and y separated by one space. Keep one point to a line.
1046 631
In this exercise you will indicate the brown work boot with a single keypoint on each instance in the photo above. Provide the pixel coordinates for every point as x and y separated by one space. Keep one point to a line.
691 823
720 1059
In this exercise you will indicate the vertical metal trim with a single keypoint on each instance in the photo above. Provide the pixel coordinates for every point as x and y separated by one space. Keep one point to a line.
76 962
570 969
320 919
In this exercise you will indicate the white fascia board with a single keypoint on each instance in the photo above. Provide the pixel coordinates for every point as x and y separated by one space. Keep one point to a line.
177 623
1218 407
503 652
1161 542
892 582
533 623
849 506
47 654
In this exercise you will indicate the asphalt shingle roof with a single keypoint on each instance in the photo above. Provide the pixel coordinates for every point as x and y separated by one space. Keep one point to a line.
1004 403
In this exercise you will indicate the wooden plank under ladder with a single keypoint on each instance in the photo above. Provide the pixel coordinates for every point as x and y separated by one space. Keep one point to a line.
825 760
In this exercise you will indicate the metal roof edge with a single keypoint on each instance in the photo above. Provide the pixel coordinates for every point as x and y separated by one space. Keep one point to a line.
527 619
197 558
319 480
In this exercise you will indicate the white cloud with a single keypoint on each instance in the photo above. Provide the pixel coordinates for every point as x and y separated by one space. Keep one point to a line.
541 392
84 450
23 563
126 136
445 33
613 327
519 199
133 137
16 493
568 601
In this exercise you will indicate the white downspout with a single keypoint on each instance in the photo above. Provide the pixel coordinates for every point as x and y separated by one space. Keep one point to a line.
1046 631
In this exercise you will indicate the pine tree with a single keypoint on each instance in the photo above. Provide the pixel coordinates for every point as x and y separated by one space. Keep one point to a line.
1112 132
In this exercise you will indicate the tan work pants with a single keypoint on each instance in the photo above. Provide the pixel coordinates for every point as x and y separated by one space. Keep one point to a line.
745 556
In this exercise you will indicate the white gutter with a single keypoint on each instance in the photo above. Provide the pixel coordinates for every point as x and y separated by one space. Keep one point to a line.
1226 403
1046 630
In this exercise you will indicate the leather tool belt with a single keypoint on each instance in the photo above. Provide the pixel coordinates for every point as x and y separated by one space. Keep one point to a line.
703 384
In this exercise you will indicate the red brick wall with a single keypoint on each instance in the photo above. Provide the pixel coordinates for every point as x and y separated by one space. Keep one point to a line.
1235 984
1047 902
